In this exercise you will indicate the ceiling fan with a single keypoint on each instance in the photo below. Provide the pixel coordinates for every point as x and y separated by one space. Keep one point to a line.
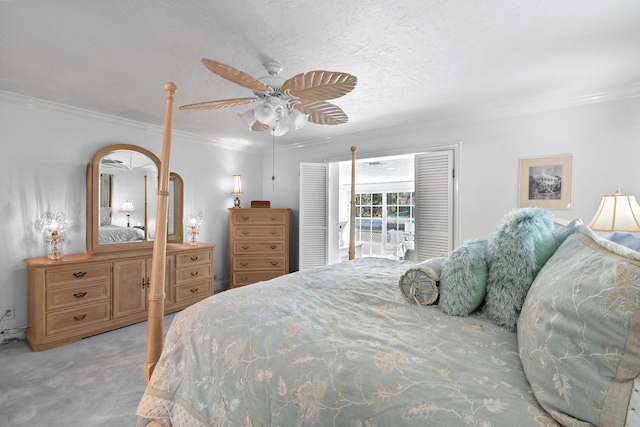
285 103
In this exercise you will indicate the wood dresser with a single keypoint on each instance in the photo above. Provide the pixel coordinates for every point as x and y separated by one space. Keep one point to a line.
258 244
81 295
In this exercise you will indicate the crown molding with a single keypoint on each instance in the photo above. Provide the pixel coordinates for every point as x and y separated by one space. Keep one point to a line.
74 112
477 116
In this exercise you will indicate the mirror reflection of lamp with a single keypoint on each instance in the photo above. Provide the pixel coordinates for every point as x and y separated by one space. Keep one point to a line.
52 227
236 190
128 208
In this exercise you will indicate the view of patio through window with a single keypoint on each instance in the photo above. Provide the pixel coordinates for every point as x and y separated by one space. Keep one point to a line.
384 223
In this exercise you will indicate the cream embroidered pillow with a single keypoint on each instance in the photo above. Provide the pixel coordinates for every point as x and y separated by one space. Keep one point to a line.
579 331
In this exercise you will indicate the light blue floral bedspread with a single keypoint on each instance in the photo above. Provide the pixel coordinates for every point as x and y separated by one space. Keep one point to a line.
336 346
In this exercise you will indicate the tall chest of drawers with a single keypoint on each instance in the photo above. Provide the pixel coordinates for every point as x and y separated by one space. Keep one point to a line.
258 244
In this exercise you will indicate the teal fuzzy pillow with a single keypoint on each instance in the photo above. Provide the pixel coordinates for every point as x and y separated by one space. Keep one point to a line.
520 246
463 280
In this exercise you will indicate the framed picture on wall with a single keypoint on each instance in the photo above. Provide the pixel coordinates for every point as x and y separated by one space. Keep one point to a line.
546 182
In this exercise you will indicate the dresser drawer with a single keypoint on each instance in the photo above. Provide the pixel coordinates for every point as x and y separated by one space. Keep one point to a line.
77 295
262 248
195 272
271 263
268 232
258 216
193 258
193 290
247 278
71 275
77 318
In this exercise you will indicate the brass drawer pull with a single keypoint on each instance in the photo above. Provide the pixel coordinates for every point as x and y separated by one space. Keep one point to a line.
273 246
194 258
245 232
80 274
244 264
245 246
194 290
273 232
80 294
274 263
194 273
145 282
79 317
243 279
274 218
245 218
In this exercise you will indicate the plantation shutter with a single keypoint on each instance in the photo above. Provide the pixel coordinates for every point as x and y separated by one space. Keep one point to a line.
313 215
434 204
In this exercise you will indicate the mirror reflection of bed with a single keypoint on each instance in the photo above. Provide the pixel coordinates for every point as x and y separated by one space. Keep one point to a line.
126 178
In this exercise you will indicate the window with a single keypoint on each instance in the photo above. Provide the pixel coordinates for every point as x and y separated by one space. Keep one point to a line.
378 213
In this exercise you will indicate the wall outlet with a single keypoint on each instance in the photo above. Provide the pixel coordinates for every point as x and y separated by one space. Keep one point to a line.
8 313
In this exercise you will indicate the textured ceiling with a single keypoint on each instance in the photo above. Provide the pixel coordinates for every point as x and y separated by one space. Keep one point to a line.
416 60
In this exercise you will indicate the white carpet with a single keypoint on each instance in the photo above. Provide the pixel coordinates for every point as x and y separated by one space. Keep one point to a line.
97 381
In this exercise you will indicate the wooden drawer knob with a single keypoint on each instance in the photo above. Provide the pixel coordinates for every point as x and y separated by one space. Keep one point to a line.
80 294
80 274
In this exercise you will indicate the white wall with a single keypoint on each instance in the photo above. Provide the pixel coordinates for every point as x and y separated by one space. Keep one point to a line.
43 167
603 138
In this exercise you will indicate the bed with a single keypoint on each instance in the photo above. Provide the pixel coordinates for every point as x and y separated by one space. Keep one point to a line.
116 234
553 340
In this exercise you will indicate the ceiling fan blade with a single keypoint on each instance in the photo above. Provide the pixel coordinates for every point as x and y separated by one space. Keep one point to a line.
323 113
259 127
320 85
235 76
222 103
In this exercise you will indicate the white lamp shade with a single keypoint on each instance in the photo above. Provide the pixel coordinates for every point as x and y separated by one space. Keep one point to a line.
619 212
265 113
127 207
237 185
299 119
280 129
248 117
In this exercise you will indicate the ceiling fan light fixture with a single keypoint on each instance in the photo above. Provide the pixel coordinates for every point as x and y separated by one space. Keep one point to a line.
248 117
299 119
279 129
265 113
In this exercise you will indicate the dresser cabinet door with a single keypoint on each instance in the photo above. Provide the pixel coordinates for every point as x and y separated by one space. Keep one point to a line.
129 287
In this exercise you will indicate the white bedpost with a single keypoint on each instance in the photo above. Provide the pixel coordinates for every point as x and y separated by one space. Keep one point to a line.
156 290
352 216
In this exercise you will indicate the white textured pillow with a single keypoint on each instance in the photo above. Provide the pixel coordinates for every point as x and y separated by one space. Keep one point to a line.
579 331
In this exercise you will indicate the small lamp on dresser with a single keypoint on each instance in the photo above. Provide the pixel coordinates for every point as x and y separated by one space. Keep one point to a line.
237 189
52 227
192 223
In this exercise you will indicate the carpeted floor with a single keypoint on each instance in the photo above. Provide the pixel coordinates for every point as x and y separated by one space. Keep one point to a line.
97 381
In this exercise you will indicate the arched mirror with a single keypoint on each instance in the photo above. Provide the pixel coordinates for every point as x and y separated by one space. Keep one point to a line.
122 185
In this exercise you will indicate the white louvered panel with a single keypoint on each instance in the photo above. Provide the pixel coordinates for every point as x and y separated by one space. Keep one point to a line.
313 215
434 204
